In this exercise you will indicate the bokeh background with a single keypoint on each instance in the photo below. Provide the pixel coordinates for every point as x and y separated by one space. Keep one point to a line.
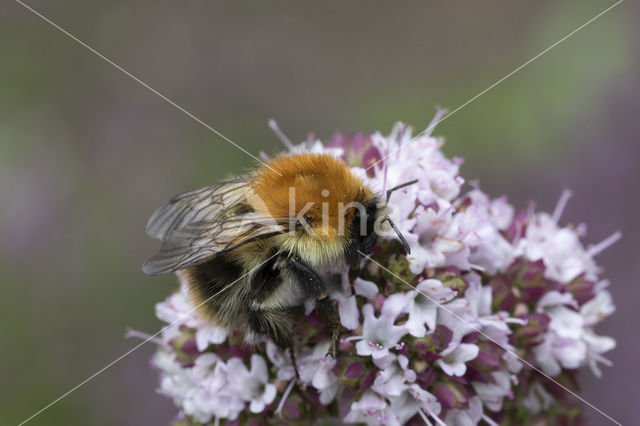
86 153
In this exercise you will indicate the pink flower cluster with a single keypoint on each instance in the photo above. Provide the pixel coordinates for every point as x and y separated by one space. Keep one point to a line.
446 335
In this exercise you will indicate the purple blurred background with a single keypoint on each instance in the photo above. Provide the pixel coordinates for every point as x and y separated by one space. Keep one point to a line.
86 153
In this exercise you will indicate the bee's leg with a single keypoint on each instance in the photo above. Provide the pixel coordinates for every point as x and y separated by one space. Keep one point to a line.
313 286
329 313
292 352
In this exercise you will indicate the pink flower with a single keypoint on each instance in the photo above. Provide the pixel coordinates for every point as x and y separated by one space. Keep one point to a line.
431 334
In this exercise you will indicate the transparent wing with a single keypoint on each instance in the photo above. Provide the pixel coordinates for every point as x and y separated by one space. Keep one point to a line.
207 203
195 245
196 226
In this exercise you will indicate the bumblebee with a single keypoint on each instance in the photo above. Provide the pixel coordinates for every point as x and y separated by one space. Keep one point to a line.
251 250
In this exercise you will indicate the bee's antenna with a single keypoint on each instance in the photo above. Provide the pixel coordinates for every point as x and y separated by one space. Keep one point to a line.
399 187
280 134
402 239
388 219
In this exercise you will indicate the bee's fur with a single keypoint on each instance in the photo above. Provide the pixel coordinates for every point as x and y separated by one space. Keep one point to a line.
255 285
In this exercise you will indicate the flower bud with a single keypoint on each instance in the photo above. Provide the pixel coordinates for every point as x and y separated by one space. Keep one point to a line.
581 289
186 349
450 278
451 395
528 277
503 298
532 332
517 227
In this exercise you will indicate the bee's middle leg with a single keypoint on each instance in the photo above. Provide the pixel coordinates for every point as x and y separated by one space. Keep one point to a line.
312 286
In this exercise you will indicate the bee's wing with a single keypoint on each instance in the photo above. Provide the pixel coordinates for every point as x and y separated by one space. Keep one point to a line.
193 206
194 228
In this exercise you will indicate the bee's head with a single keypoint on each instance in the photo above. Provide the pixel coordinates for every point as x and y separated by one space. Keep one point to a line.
332 214
362 236
354 234
340 235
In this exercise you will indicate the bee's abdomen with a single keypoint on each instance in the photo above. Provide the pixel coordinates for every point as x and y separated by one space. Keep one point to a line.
216 286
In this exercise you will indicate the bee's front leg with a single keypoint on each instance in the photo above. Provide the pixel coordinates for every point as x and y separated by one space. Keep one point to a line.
313 286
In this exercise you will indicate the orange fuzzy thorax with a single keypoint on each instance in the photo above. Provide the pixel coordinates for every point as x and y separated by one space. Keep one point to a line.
320 179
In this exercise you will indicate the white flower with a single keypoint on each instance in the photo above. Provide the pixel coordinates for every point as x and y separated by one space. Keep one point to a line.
560 248
598 308
347 308
211 396
544 355
394 379
414 400
492 394
281 361
372 410
486 218
253 385
204 365
570 343
456 356
593 312
433 240
423 308
554 298
420 158
210 334
316 369
175 382
537 399
565 322
179 312
378 334
473 313
202 390
365 288
469 417
426 401
176 312
597 345
557 352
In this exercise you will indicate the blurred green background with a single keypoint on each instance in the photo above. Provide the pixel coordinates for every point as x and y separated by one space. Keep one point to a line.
86 153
